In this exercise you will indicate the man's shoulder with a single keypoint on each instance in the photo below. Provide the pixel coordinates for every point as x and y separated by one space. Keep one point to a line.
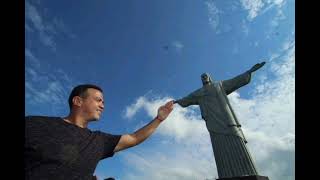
32 117
106 134
41 119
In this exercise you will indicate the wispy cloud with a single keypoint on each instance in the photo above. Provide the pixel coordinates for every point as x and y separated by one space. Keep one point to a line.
35 62
253 6
50 94
47 27
33 15
267 119
43 87
245 28
213 15
258 7
280 16
276 22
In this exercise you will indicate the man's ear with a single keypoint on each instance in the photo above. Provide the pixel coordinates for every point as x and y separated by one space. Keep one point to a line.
77 101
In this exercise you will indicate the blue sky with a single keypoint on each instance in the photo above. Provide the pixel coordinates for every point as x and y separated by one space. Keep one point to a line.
144 53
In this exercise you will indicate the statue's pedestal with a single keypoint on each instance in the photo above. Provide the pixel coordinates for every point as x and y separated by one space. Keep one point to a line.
253 177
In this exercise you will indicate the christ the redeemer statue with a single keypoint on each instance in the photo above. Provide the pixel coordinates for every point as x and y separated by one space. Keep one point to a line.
228 142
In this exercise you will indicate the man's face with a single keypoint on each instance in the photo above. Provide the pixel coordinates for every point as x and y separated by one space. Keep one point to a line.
92 104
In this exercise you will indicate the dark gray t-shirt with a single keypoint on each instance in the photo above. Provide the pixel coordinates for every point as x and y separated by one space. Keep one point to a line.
55 149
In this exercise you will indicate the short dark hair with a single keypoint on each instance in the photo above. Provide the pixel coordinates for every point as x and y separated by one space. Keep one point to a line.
81 90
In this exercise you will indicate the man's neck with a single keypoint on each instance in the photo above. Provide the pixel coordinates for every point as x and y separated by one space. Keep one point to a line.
76 120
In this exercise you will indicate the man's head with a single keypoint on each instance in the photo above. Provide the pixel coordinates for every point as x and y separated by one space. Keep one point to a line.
87 99
206 79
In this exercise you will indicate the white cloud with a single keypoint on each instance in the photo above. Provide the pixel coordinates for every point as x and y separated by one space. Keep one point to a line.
180 117
267 120
213 13
253 6
177 163
258 7
187 130
132 109
278 2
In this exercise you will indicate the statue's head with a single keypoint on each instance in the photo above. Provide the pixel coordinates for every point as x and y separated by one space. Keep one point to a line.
206 79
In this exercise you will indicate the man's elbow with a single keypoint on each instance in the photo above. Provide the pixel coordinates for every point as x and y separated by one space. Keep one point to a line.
126 141
133 140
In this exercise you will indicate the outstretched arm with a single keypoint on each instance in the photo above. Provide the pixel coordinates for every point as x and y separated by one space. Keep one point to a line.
256 67
191 99
235 83
130 140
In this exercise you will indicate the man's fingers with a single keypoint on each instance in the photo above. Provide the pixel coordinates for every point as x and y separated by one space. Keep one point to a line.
170 103
168 107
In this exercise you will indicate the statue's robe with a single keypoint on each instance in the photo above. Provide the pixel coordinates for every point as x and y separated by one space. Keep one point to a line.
228 142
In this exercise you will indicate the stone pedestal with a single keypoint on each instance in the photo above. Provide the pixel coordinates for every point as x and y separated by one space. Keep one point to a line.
252 177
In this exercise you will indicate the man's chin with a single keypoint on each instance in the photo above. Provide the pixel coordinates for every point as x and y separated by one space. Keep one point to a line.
95 119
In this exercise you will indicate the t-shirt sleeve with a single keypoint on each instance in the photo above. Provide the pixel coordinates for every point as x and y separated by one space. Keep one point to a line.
110 141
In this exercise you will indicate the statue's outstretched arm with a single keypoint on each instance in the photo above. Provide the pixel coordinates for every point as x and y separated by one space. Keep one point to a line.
256 67
235 83
191 99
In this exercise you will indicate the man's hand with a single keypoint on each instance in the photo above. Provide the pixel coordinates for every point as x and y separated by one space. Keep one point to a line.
130 140
165 110
256 67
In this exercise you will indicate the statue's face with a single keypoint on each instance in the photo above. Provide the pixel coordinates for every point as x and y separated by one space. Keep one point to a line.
206 79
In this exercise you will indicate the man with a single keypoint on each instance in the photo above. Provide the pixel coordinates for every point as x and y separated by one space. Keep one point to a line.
64 148
228 142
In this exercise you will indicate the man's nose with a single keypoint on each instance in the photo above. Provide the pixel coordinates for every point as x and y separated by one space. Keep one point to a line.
102 106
